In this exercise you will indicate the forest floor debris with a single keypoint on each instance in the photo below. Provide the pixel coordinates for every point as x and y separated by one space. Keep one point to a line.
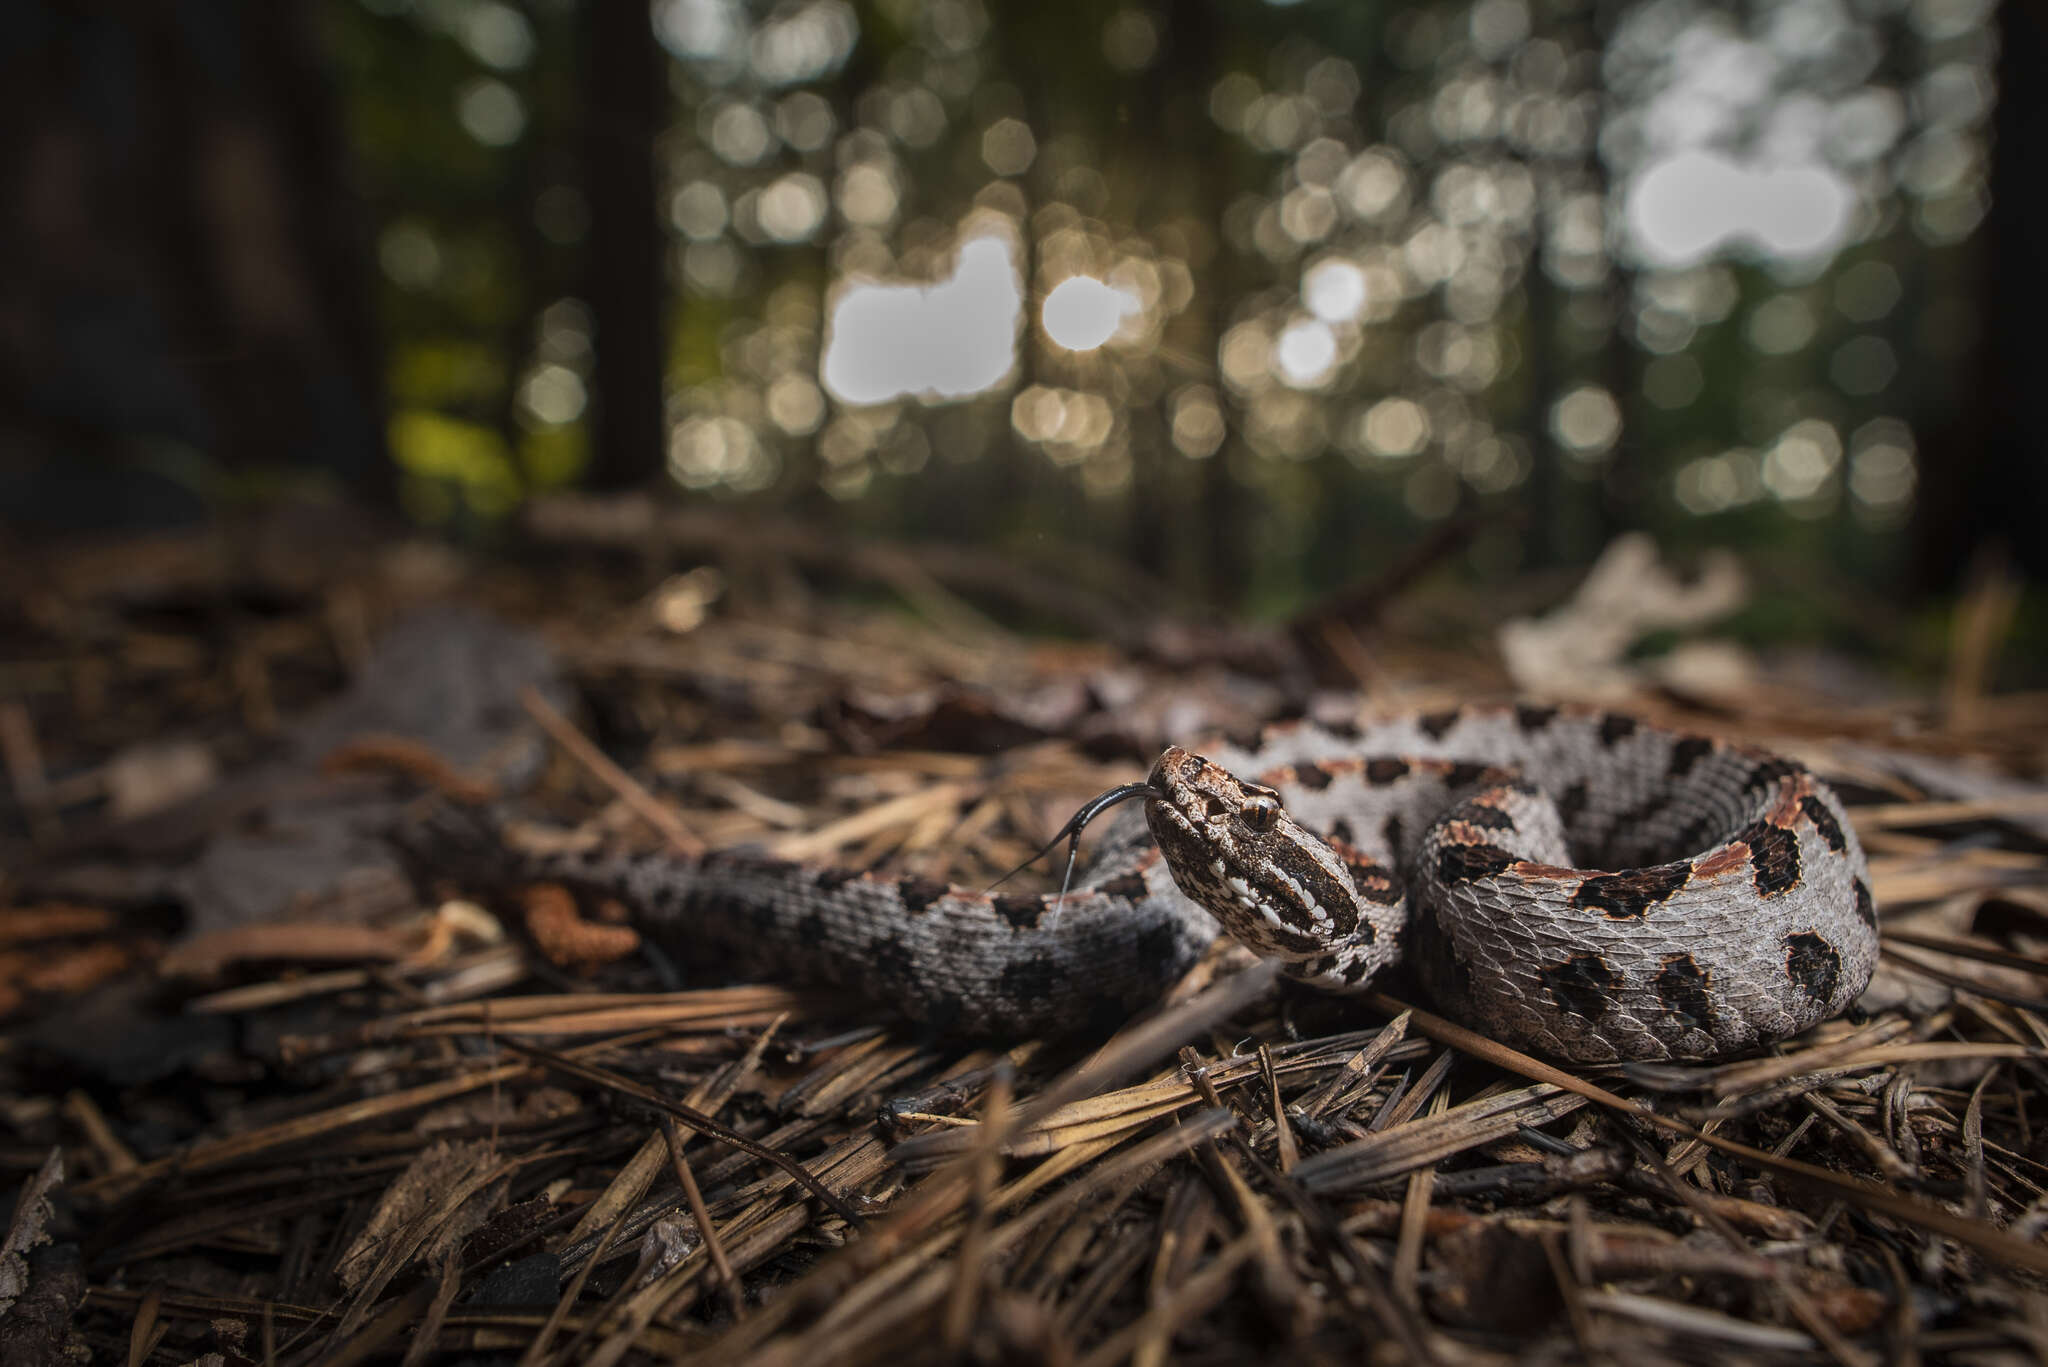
365 1128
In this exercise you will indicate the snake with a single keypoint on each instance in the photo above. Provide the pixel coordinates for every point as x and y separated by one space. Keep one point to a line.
1563 879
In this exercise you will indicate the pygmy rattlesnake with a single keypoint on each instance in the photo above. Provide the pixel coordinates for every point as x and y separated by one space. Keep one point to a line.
1570 881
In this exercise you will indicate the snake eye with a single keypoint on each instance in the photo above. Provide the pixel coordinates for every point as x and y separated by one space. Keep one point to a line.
1261 809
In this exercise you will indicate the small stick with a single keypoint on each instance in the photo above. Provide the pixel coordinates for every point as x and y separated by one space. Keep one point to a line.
648 807
728 1280
971 1253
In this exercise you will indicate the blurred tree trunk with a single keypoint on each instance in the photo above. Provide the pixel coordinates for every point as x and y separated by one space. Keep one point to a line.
1148 121
622 75
1983 478
1223 509
187 301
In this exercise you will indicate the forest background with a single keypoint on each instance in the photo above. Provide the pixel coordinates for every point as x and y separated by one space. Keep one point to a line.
1245 298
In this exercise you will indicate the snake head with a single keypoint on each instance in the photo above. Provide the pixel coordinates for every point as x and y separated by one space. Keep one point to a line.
1232 847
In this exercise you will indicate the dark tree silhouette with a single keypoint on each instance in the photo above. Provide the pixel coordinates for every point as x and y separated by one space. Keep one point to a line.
1985 478
623 112
185 299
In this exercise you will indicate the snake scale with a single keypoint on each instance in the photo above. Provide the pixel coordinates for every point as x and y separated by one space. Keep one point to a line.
1566 880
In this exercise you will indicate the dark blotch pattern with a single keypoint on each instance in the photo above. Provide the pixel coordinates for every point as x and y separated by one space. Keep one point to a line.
1030 979
1698 833
943 1012
1463 863
759 865
1314 777
831 880
918 892
1866 910
1485 818
1812 963
1773 857
760 915
1436 725
891 961
1130 887
1374 886
1571 802
1642 813
1583 984
810 929
1629 896
1380 772
1021 910
1823 821
1682 990
1464 774
1391 832
1355 971
1688 752
1615 727
1533 719
1768 773
1340 829
1294 941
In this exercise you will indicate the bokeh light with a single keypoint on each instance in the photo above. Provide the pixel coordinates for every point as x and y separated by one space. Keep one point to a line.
1697 260
1082 312
945 340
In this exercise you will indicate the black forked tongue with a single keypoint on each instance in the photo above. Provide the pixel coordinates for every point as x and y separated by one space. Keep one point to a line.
1071 832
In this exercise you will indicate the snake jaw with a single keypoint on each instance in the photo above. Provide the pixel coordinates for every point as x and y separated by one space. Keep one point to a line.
1232 848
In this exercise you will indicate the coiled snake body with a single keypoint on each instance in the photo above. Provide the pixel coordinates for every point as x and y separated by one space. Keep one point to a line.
1718 899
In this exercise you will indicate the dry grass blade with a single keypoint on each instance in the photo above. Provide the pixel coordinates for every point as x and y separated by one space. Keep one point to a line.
1692 1322
1985 1238
1196 1292
696 1120
1900 814
630 790
1358 1069
1290 1150
856 1280
719 1008
1415 1217
714 1242
239 1147
2019 963
1709 1214
1420 1143
970 1265
898 812
1942 975
1752 1075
